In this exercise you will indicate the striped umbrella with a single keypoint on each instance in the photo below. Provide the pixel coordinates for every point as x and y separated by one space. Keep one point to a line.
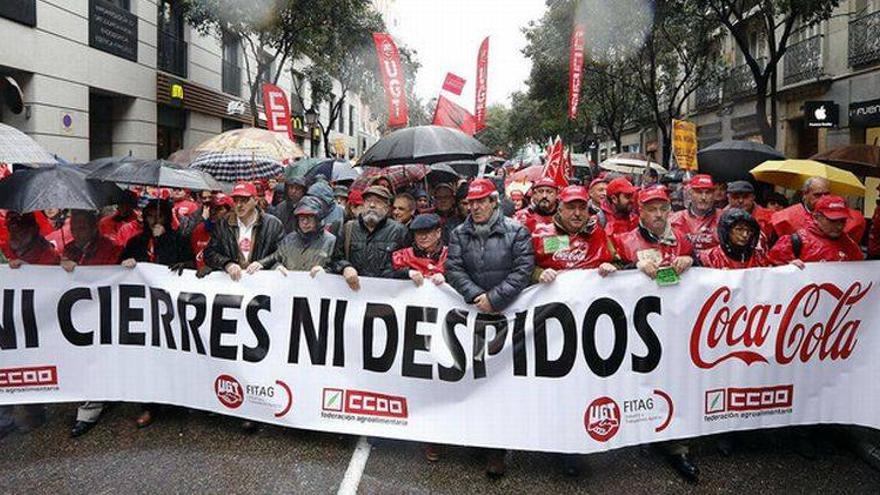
18 147
252 141
234 167
400 176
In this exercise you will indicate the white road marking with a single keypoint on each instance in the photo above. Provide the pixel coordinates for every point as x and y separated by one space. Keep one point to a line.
356 466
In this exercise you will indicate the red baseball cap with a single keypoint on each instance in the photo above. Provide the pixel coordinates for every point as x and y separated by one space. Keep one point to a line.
574 193
221 199
701 181
355 198
832 207
480 188
620 186
653 194
244 189
545 182
598 180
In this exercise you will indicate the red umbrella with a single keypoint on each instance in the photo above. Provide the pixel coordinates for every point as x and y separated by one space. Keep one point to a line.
400 176
528 174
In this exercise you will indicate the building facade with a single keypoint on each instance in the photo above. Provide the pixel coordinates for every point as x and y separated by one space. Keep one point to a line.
117 77
832 68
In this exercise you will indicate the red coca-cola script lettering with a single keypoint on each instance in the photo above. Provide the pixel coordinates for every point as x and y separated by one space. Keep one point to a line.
800 331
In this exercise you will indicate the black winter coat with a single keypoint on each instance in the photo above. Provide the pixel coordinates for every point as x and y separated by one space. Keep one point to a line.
223 247
170 249
500 266
369 253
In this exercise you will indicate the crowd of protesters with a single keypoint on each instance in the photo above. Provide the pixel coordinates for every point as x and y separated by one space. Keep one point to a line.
486 245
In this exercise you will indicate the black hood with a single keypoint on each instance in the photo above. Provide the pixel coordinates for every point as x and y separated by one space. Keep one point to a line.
730 218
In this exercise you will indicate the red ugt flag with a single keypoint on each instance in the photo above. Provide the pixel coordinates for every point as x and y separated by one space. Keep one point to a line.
575 69
392 78
482 77
448 114
453 83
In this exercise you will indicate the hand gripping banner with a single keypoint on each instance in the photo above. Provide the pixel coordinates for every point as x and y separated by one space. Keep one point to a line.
393 79
583 364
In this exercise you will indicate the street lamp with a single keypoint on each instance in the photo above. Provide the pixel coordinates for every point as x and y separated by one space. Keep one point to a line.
311 120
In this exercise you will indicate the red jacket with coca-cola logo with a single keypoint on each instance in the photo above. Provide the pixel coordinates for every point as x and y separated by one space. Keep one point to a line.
796 217
556 249
631 244
529 218
815 246
701 231
717 258
407 259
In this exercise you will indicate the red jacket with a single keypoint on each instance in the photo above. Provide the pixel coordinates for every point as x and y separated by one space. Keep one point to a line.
101 251
560 251
874 235
702 232
615 224
407 259
119 230
530 219
717 258
815 246
631 245
796 217
198 241
40 252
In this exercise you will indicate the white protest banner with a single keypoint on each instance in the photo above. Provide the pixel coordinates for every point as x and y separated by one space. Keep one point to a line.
580 365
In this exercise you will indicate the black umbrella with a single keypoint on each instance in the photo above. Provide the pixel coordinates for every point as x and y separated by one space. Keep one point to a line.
465 168
155 173
55 186
442 173
423 144
728 161
101 163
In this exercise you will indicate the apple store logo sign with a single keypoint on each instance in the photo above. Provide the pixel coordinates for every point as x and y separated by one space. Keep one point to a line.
821 113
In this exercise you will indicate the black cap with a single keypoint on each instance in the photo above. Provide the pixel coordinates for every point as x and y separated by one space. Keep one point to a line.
425 221
740 187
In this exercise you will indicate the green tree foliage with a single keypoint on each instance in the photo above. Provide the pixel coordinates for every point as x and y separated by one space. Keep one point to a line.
773 20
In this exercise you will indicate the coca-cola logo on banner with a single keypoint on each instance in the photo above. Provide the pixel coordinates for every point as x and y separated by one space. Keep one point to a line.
816 324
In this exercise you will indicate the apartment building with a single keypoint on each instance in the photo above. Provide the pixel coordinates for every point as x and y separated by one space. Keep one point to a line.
113 77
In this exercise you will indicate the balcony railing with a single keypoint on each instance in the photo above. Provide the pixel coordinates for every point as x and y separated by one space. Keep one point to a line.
864 40
740 82
231 78
708 94
803 61
172 54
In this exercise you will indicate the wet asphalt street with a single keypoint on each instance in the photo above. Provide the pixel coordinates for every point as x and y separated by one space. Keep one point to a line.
193 452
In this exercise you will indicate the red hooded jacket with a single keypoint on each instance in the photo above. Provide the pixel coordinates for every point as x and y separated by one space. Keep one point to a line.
815 246
530 218
717 258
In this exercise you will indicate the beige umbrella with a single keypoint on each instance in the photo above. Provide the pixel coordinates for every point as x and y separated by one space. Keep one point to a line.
251 140
630 163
